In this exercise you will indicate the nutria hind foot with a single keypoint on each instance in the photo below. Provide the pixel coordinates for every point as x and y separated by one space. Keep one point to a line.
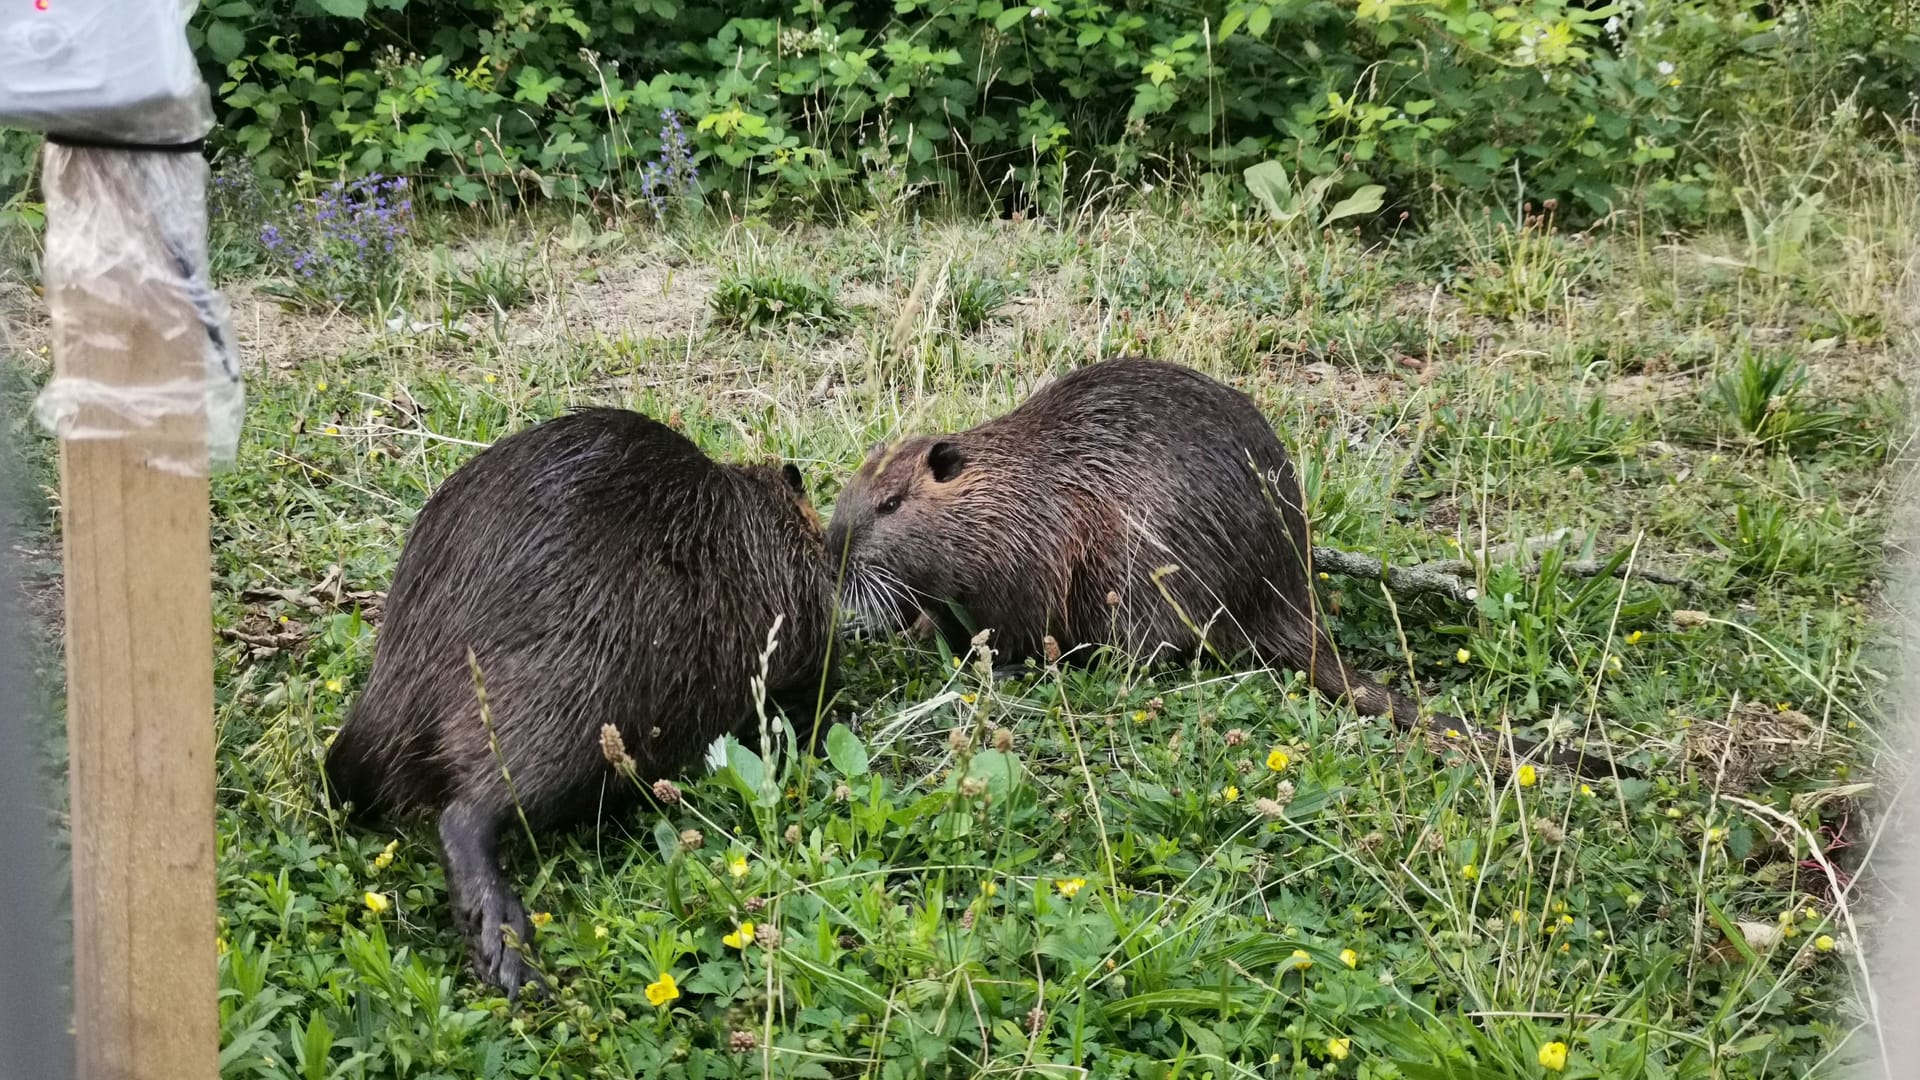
484 904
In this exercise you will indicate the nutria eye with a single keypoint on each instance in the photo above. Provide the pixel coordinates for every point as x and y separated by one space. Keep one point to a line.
890 505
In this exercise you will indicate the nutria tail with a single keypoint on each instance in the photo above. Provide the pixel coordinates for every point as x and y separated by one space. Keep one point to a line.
363 766
1332 677
355 775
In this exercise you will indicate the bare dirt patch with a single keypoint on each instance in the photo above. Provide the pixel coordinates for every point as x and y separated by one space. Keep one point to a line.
638 300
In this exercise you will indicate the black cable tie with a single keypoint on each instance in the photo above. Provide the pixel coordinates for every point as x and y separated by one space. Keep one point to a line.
89 142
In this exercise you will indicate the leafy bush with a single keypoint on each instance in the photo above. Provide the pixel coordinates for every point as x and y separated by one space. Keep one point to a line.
975 298
768 299
867 99
867 102
1760 398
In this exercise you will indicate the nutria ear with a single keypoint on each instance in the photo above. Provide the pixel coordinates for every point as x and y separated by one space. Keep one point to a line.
791 474
945 460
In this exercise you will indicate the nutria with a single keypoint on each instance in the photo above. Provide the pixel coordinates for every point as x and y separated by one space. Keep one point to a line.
1131 503
602 570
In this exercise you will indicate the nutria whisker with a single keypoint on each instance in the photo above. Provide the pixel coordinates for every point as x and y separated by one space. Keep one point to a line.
874 597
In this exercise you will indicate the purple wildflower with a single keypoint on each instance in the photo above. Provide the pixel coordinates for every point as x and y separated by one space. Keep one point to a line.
344 241
672 174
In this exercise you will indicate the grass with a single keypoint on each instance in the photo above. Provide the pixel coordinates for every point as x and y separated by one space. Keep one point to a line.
1111 871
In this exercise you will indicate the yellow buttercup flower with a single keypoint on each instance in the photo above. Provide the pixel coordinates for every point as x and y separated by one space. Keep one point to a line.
376 902
1349 958
334 686
737 866
540 919
1301 961
321 386
1527 775
600 933
1231 793
1463 656
1585 790
1553 1056
1824 943
1070 887
1469 871
1337 1048
492 378
663 990
1634 638
1277 760
740 938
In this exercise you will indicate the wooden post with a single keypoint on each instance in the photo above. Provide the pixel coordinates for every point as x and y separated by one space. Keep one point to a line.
139 640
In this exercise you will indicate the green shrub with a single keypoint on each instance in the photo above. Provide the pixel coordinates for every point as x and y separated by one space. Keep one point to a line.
769 299
863 100
876 103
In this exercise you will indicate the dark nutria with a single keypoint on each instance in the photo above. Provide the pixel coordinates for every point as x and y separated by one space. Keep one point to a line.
602 570
1132 503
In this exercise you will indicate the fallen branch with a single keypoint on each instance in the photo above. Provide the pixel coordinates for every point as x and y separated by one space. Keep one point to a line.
1401 579
1584 568
1454 577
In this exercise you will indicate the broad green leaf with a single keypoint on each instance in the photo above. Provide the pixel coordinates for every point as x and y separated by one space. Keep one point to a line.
344 9
1367 200
1270 182
1001 771
845 750
666 839
745 769
225 40
315 1044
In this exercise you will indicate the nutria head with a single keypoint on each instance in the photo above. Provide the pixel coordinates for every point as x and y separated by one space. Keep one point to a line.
893 540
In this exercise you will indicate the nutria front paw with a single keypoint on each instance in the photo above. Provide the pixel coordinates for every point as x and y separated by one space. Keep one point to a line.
503 948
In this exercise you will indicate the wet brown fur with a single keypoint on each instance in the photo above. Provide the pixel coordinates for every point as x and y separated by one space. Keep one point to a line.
1117 474
602 570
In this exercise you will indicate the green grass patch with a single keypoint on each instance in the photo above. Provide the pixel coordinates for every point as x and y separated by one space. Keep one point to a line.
1114 872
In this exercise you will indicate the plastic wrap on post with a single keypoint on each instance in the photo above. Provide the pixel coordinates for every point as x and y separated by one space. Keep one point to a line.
126 267
114 71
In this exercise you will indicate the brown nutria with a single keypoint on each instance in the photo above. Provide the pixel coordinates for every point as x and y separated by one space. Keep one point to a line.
602 570
1131 503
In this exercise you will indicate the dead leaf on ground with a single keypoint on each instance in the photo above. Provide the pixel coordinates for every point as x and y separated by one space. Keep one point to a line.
1761 937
